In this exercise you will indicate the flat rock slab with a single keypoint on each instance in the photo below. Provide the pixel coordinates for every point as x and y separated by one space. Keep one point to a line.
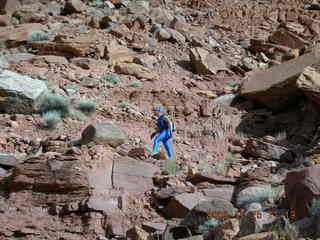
182 204
276 87
223 193
11 160
132 175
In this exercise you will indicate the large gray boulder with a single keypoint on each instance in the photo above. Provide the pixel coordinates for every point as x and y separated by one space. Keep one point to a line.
19 93
103 133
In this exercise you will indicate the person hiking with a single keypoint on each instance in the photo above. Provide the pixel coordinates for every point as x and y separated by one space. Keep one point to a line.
164 132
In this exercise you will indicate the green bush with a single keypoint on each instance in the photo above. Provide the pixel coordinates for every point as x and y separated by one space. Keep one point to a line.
97 3
83 28
223 165
14 21
55 102
170 167
284 230
314 207
208 225
136 84
3 44
38 36
110 77
87 107
51 119
124 105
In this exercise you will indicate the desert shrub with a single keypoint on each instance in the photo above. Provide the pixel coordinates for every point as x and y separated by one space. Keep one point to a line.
83 28
55 102
223 165
124 105
136 84
110 77
170 166
208 225
14 21
284 230
87 107
38 36
51 119
97 3
3 44
280 136
314 207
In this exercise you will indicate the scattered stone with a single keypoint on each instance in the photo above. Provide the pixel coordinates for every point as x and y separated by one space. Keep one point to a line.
216 208
259 236
176 36
103 133
268 151
136 70
205 63
146 61
74 6
138 153
90 82
116 53
285 38
154 227
226 231
136 233
162 34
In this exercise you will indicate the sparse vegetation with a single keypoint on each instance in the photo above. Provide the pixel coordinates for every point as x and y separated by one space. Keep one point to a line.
3 44
124 105
38 36
280 136
87 107
97 3
110 77
170 166
136 84
51 119
14 21
83 28
314 207
208 225
285 230
55 102
223 165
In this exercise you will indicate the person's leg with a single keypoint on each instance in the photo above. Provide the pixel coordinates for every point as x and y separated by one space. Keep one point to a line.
168 146
156 143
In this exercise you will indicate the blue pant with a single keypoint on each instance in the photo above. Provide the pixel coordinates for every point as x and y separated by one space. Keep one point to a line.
165 138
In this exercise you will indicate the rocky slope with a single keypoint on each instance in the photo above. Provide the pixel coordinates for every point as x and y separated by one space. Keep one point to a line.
77 83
